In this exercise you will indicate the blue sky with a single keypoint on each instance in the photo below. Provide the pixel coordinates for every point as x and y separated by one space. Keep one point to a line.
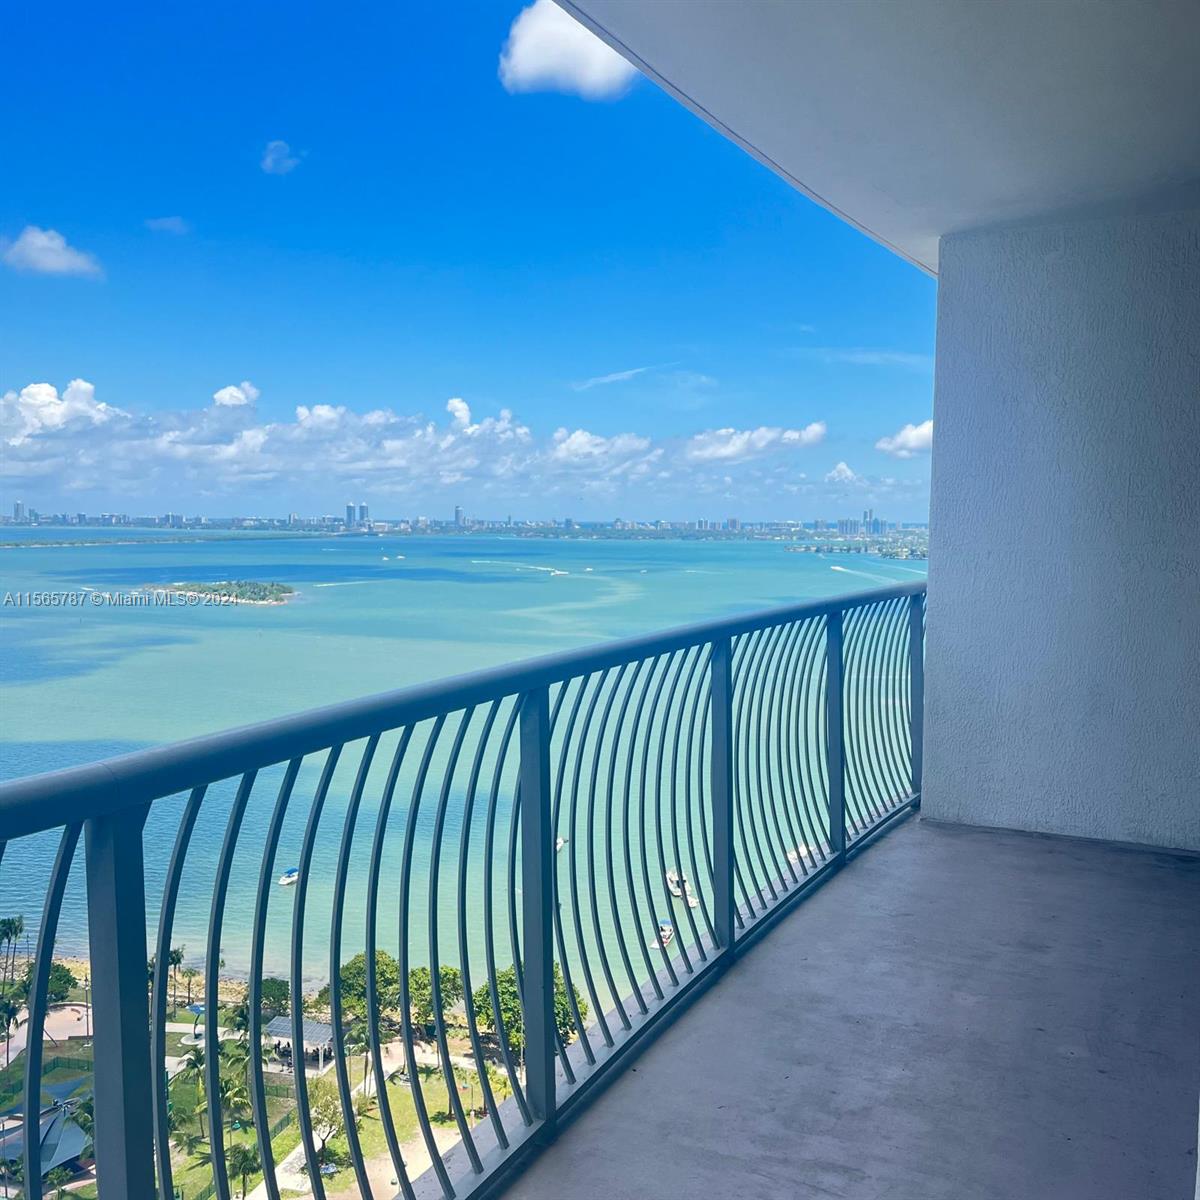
362 221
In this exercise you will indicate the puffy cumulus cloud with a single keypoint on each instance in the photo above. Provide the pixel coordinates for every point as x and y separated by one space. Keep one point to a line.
236 395
549 51
460 411
279 159
841 474
909 441
46 252
229 448
733 445
38 409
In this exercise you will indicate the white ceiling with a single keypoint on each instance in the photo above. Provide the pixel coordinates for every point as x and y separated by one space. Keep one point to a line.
916 118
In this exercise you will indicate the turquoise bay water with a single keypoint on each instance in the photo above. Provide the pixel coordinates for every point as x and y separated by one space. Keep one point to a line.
371 614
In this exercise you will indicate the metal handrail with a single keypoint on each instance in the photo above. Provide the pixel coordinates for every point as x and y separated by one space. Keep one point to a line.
779 742
56 798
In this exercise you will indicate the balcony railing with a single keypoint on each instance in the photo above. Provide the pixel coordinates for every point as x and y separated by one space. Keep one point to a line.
574 847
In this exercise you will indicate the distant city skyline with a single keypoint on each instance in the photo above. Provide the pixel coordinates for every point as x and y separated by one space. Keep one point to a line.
493 267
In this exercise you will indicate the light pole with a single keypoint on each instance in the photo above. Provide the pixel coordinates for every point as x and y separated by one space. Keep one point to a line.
87 1008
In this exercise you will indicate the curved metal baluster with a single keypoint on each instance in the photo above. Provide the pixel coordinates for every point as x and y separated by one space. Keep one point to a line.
435 966
371 941
591 843
821 758
340 1068
610 873
778 711
807 739
668 660
212 965
857 668
899 709
743 714
802 743
684 766
871 703
559 1043
266 877
303 1116
560 939
889 754
489 925
744 674
694 767
630 753
857 817
871 696
514 919
681 659
158 1013
889 764
766 687
576 911
489 1100
35 1023
406 1030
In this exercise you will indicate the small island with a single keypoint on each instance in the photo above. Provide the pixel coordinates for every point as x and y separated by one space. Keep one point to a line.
231 591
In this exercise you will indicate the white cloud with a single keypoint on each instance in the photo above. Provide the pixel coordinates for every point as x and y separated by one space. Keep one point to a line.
865 357
38 408
74 443
909 441
614 377
582 446
841 474
278 158
236 395
175 225
549 51
460 412
46 252
732 445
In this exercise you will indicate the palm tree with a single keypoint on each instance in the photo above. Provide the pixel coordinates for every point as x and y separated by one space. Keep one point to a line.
175 961
243 1162
190 974
6 936
17 929
58 1178
10 1011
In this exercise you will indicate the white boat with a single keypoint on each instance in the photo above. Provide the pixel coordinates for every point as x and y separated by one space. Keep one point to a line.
680 887
666 933
559 843
289 877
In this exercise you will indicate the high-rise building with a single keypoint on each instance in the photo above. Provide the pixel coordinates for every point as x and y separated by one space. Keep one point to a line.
733 524
349 515
459 519
363 516
18 510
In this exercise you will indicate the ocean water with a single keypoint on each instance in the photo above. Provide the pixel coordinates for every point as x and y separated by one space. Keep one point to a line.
371 614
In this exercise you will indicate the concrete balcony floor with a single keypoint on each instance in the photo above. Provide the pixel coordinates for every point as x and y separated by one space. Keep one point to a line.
960 1013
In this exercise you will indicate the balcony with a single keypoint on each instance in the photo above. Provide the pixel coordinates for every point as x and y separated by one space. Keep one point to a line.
579 850
563 854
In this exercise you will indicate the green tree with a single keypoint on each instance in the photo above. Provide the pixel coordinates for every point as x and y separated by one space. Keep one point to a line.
354 983
10 1011
59 984
190 975
275 996
325 1113
175 961
58 1178
243 1161
512 1015
420 993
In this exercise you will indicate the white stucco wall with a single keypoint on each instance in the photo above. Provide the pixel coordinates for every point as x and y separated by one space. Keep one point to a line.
1063 657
